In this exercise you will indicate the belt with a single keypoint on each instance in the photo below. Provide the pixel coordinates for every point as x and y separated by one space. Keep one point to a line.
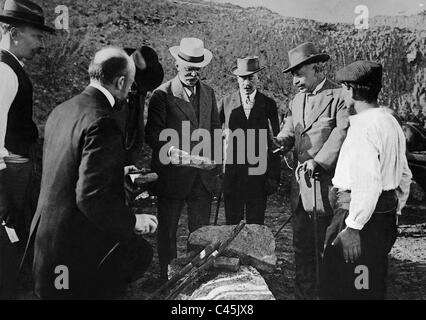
387 202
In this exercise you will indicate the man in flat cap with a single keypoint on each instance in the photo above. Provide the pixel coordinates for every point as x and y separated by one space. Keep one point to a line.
248 109
373 182
22 29
183 106
316 127
88 243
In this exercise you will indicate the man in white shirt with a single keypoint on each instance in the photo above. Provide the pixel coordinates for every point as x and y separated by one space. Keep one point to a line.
22 28
373 182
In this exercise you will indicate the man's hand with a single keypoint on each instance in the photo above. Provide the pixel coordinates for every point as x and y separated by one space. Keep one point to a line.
311 167
351 244
145 223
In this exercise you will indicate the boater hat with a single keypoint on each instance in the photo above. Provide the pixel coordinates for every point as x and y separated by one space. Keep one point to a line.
305 53
247 66
191 51
24 12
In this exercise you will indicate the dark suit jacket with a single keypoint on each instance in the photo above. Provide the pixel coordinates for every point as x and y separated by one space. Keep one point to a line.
237 179
81 210
318 137
168 108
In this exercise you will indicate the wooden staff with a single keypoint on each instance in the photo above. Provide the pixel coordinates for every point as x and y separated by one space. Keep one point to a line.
209 263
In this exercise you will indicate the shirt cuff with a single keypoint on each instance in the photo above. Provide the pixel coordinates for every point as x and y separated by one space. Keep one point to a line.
170 150
353 224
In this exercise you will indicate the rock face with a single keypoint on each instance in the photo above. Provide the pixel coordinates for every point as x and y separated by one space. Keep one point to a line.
246 284
254 245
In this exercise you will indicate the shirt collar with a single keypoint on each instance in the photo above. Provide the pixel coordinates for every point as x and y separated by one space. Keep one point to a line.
251 95
365 116
318 87
13 55
105 91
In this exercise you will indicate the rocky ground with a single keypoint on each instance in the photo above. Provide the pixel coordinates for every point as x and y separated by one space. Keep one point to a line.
407 270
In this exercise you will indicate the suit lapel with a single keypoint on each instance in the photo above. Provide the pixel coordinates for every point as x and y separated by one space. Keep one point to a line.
321 102
205 107
257 108
298 108
182 101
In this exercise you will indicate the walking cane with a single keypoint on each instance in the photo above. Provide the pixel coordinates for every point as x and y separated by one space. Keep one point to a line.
315 225
219 199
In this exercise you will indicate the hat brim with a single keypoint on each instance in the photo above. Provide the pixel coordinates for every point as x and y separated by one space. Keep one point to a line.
208 56
235 72
322 57
12 20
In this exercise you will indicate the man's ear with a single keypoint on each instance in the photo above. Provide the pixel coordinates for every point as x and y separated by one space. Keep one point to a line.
121 81
14 33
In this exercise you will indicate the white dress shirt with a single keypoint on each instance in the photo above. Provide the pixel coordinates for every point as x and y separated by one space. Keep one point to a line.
372 159
248 103
105 91
8 90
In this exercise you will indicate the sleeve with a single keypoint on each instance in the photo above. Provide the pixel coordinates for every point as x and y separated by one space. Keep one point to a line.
216 125
8 91
403 191
100 186
286 135
274 160
366 181
327 156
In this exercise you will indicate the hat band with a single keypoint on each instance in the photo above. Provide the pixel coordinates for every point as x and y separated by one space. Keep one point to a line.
190 59
25 16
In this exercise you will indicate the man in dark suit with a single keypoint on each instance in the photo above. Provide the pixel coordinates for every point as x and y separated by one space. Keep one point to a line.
316 127
250 110
182 106
85 245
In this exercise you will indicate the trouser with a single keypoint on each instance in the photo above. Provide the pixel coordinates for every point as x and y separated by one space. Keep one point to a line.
17 180
102 280
254 208
304 251
198 201
366 278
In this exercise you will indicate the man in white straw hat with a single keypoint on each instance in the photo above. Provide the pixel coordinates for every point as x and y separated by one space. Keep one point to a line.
316 127
183 102
248 109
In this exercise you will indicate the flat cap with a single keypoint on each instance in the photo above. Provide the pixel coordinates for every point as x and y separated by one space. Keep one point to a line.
361 72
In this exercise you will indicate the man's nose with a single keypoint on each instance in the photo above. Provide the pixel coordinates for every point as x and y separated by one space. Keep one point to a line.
295 81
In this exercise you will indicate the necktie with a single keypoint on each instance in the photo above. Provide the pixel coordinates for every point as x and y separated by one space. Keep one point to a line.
247 107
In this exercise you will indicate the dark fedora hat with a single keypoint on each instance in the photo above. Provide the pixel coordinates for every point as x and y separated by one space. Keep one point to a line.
247 66
149 72
303 54
24 12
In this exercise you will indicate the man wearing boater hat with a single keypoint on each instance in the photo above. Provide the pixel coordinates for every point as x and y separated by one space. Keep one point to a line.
316 128
22 27
373 182
182 105
248 109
